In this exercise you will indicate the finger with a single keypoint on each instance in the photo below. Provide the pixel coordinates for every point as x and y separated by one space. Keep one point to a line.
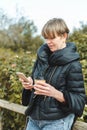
26 83
21 80
41 83
39 87
41 91
30 79
27 87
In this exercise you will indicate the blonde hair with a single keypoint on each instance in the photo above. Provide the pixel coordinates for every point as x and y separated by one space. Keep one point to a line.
54 27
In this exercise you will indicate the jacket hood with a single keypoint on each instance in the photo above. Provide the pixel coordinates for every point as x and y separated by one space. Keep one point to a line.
64 56
60 57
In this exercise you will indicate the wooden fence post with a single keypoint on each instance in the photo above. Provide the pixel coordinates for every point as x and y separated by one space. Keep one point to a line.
79 125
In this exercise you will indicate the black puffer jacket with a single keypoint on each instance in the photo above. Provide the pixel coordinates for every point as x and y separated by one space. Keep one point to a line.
63 71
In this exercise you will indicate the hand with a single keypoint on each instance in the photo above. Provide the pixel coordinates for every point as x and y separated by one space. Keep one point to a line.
27 85
45 89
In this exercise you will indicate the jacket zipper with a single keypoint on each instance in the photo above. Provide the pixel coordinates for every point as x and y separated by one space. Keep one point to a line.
50 79
43 73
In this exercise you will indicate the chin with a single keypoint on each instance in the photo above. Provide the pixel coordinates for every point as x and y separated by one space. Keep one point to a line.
53 50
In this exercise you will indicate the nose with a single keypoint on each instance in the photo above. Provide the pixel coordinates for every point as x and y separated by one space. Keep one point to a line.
48 41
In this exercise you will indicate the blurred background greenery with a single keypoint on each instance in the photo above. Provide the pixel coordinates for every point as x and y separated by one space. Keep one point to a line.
18 45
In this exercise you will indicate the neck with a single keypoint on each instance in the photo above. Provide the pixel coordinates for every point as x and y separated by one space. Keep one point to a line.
63 45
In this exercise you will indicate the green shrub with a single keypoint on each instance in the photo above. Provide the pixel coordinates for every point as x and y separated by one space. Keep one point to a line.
10 86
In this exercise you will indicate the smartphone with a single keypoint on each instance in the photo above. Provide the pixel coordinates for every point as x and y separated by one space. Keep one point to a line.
22 76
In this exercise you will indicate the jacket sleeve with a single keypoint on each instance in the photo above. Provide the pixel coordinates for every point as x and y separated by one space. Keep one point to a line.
26 97
75 92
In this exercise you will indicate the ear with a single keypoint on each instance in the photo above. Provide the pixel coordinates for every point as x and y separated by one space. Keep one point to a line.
65 35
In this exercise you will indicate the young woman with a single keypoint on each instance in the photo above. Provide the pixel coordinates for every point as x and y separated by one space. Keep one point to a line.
55 103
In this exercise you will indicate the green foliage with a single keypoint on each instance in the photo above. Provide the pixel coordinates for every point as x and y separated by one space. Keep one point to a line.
12 120
10 87
20 33
85 114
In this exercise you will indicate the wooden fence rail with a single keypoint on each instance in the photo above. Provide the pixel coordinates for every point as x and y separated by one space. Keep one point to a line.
21 109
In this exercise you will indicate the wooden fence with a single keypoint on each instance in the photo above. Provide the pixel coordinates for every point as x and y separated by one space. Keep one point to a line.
21 109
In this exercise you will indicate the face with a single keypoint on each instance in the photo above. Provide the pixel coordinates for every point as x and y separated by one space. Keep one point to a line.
57 43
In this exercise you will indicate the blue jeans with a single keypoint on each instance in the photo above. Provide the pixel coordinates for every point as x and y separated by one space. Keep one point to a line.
61 124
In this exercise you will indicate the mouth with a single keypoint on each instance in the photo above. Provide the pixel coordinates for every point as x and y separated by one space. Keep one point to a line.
50 47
